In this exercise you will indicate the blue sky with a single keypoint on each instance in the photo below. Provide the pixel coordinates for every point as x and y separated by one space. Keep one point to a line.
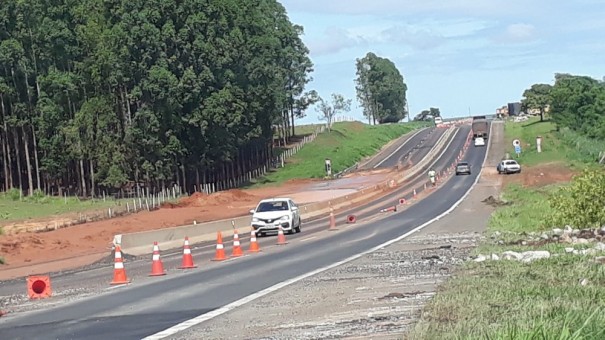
454 54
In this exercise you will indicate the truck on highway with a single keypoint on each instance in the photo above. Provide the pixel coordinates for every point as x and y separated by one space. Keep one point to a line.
480 128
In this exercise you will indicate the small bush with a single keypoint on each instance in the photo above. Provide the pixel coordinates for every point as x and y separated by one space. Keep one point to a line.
38 196
2 260
14 194
581 203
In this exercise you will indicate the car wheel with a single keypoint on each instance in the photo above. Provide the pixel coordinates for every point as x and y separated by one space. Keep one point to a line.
297 229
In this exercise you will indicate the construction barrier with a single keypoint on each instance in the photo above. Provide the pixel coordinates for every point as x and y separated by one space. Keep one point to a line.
38 287
351 219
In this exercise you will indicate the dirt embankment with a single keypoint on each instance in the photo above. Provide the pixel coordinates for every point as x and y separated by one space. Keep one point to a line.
27 248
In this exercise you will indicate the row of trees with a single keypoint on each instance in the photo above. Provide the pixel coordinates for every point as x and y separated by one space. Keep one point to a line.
381 90
427 114
100 94
574 102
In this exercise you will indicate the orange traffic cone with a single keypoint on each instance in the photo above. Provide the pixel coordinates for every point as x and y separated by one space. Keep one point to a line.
187 257
332 222
237 248
220 250
119 273
157 267
254 248
281 238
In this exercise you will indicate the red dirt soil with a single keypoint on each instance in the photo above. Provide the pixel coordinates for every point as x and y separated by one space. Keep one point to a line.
542 175
24 249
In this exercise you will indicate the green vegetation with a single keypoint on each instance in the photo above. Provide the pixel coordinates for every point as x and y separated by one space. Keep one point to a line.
99 94
381 89
556 298
565 145
38 206
527 210
2 261
347 143
508 300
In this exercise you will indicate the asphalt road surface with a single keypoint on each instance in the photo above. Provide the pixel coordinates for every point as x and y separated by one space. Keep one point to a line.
417 145
149 306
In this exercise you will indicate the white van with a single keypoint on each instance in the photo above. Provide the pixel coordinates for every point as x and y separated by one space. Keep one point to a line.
438 120
479 141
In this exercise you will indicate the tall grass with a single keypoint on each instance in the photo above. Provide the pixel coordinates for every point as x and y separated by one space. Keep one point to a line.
346 144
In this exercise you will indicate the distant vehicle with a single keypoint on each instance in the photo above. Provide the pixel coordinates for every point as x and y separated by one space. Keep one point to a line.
480 128
508 166
479 141
438 120
463 168
270 214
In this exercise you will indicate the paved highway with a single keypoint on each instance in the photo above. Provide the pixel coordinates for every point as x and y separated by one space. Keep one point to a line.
416 144
151 305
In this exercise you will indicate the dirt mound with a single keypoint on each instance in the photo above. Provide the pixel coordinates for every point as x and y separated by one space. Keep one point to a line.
494 202
199 199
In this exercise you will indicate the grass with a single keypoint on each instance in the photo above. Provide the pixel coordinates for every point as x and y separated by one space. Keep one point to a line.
527 209
512 300
26 208
509 300
346 144
564 146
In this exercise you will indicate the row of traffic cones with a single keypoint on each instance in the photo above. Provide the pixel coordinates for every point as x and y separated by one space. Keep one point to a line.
157 266
237 251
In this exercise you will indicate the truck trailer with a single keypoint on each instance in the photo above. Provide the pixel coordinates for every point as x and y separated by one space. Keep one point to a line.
480 128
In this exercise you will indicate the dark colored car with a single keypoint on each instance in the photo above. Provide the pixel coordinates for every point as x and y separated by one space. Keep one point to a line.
463 168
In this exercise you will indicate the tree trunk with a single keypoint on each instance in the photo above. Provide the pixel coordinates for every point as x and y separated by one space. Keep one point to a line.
292 117
92 178
28 163
4 137
8 164
18 156
83 178
197 178
184 187
39 186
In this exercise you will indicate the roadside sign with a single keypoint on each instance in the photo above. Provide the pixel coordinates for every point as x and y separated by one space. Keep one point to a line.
518 149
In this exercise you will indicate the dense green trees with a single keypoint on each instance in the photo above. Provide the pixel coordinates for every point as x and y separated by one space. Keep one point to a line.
574 102
537 97
578 103
102 94
381 89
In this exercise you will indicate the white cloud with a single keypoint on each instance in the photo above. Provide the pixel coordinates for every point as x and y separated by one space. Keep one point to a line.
517 33
335 40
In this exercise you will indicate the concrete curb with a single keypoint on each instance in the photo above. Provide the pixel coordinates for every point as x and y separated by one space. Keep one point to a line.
139 243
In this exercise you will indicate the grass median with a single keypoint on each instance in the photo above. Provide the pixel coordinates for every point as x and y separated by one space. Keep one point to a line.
561 297
346 144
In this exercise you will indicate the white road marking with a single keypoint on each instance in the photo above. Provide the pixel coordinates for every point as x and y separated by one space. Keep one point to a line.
227 308
118 286
307 239
397 150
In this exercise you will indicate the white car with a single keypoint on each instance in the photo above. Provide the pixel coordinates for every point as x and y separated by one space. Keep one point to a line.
508 166
479 141
272 213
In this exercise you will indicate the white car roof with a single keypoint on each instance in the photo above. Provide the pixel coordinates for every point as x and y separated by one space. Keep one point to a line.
276 199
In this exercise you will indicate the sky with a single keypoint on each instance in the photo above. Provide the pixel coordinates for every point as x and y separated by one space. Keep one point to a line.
461 56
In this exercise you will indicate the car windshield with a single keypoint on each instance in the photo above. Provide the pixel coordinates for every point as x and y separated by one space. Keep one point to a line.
462 164
272 206
511 163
